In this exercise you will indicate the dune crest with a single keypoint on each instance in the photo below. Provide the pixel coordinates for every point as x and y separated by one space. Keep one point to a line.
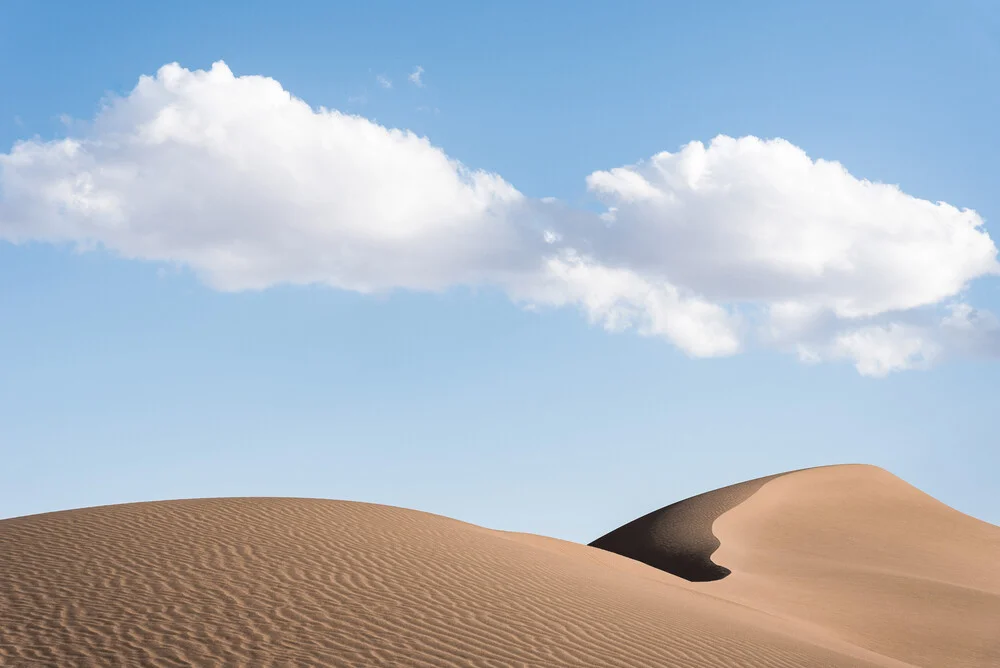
678 538
265 581
850 549
859 551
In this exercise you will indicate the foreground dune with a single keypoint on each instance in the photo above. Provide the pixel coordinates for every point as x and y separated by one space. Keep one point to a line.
296 582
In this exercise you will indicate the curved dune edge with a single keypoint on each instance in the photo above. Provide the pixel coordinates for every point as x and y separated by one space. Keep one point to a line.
678 538
835 566
862 553
312 582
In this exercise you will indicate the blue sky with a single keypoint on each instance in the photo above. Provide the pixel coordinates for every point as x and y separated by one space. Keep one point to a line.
451 376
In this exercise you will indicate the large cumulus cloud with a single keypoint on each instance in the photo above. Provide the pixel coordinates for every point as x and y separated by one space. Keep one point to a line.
713 247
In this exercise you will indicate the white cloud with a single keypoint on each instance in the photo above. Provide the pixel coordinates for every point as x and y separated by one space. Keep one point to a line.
620 299
714 248
383 81
416 77
759 221
877 351
250 187
835 265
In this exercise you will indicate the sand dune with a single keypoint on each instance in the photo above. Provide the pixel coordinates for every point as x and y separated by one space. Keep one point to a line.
852 550
678 538
297 582
857 550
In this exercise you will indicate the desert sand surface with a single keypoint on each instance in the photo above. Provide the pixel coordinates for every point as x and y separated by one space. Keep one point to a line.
679 538
841 566
858 551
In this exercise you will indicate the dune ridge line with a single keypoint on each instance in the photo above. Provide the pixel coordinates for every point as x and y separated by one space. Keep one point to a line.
841 567
678 538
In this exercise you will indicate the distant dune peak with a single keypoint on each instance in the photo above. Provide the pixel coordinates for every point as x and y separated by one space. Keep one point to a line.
678 538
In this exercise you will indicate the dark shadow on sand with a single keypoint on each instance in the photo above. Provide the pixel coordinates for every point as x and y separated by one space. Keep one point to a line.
678 538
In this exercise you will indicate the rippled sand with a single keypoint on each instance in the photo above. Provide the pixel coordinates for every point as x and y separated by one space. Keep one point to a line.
842 566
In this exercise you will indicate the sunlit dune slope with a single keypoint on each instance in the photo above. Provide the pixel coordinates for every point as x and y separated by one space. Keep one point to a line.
875 560
296 582
852 550
272 582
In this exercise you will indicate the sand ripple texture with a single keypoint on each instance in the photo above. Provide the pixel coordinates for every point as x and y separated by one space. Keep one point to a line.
299 582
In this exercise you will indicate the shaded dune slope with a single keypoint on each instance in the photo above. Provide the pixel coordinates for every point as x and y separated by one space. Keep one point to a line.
678 538
294 582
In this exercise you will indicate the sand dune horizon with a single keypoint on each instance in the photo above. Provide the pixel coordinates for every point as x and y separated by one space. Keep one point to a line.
835 566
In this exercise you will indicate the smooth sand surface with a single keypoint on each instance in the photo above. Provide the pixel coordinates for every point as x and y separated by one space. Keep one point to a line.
858 551
817 577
